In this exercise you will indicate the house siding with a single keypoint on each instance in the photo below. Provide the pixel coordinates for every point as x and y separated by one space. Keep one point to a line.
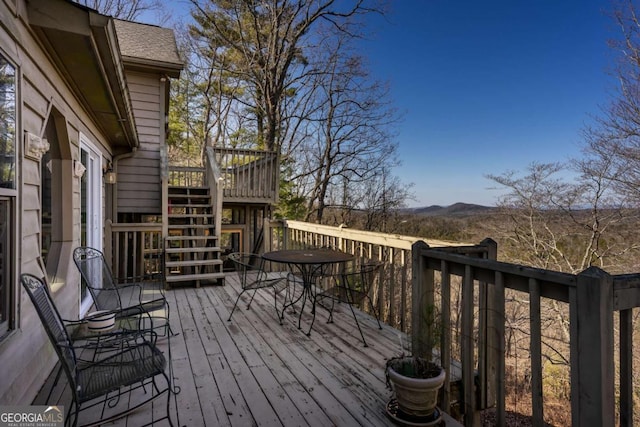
26 357
139 186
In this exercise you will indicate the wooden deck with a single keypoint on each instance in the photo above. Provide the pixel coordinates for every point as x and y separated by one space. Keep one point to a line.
254 371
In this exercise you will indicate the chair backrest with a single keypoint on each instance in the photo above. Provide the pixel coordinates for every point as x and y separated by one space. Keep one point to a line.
53 324
361 274
249 267
98 278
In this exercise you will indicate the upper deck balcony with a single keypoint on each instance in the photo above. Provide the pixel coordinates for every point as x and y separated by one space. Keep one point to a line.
245 176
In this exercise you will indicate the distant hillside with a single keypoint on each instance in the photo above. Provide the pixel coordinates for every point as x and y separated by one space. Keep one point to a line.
457 209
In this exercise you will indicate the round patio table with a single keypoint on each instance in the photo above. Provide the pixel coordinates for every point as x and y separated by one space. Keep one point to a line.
310 263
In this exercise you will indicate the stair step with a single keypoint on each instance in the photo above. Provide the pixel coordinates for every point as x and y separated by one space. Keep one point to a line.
202 192
173 278
189 201
187 187
190 205
179 216
192 263
189 226
183 238
188 198
200 249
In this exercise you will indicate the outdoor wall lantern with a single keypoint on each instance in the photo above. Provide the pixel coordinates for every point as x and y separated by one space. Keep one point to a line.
109 174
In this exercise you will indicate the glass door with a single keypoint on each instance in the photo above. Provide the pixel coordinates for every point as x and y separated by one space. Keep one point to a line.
91 208
6 293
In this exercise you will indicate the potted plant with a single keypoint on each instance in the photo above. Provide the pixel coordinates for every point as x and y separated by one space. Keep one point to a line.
415 382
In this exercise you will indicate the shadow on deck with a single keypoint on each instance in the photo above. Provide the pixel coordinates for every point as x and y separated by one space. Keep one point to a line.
254 371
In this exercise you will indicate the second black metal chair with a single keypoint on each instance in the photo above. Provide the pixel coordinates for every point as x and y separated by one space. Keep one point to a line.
126 299
352 284
253 275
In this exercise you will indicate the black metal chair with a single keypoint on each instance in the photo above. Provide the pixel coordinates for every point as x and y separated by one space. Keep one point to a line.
126 299
351 284
105 377
253 275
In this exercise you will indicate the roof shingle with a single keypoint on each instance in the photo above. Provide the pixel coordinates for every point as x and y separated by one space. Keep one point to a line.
147 42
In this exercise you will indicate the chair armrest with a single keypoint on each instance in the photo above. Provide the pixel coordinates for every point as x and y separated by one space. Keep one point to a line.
146 292
142 285
116 359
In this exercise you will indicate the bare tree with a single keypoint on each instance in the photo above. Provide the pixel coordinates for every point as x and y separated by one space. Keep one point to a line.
280 75
264 44
614 137
128 10
381 199
566 225
352 139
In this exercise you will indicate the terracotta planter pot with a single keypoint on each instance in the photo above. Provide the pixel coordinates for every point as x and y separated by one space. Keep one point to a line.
415 396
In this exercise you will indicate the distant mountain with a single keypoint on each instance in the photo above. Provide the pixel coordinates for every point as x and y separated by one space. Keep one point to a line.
457 209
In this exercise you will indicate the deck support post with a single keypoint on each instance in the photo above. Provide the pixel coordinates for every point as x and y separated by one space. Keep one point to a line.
592 359
489 342
422 303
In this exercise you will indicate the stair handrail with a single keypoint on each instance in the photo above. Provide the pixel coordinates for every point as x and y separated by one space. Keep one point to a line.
164 179
215 181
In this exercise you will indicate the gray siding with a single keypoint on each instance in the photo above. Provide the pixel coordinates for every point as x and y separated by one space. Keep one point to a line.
26 357
139 187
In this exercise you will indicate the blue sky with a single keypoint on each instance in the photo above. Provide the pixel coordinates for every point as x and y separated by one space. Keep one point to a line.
489 86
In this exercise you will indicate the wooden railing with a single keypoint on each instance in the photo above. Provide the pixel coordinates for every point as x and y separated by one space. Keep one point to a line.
471 326
592 297
134 251
215 181
184 176
392 292
419 279
248 175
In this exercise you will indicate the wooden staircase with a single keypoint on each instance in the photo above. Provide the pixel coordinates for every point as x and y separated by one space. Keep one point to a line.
192 253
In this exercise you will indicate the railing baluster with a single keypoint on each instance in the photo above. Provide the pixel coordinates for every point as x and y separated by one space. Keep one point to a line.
467 347
380 304
391 273
535 345
126 256
403 292
499 328
626 368
482 344
115 259
445 344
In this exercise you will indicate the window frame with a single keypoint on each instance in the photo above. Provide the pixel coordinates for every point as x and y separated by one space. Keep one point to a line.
10 324
61 242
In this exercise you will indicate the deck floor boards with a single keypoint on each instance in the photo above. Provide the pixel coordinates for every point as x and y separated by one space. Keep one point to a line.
254 371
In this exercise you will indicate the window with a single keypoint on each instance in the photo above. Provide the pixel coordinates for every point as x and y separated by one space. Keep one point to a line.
8 88
46 166
56 199
52 170
7 124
